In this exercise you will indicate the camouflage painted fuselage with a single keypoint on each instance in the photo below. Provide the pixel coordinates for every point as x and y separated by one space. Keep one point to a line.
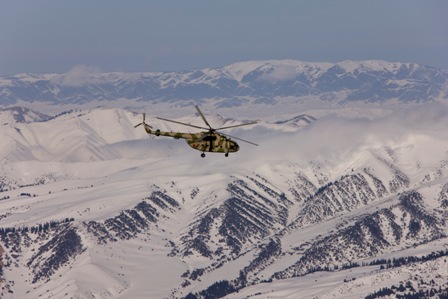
202 141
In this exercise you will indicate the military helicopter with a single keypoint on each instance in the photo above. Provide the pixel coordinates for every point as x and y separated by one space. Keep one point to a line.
208 141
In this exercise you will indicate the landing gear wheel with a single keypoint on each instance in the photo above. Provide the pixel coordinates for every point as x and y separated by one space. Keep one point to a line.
203 155
227 154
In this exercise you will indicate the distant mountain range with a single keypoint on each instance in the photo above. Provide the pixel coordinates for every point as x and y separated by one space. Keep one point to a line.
233 85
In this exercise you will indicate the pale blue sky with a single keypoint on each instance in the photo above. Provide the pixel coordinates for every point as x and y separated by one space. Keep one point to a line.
56 35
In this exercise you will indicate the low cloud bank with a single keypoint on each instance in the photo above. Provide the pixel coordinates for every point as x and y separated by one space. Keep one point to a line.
333 137
77 76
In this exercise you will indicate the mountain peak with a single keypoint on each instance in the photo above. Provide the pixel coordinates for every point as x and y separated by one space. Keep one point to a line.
17 114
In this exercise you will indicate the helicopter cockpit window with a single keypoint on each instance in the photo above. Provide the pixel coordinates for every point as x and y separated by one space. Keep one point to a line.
209 138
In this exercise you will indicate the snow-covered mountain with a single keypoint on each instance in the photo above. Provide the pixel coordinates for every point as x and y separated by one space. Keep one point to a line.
343 203
256 82
20 115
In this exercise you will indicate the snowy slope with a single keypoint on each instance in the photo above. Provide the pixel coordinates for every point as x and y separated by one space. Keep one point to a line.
91 207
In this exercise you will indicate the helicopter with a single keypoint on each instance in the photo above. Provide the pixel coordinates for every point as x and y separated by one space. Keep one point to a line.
208 141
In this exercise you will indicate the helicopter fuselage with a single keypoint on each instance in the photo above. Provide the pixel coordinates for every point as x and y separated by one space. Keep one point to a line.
202 141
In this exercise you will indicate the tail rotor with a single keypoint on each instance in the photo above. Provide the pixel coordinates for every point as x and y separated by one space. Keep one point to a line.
143 122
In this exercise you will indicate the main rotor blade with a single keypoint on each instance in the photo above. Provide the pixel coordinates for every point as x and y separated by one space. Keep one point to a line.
203 117
234 126
233 137
178 122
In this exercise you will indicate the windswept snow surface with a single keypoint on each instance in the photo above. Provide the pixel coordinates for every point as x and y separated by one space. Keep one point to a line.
346 284
92 165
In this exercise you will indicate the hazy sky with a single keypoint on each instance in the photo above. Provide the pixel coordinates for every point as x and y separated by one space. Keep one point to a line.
142 35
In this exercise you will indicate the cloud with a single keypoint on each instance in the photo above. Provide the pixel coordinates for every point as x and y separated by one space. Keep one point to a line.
337 139
77 76
279 73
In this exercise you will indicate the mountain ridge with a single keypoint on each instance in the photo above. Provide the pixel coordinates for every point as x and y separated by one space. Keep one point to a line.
93 207
255 82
